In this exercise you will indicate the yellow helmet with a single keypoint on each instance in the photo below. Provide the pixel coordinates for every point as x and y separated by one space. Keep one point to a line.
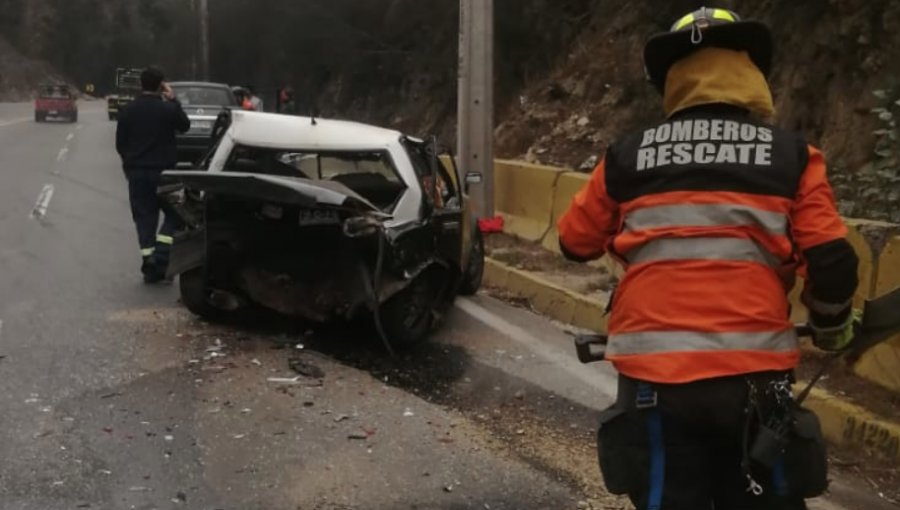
706 27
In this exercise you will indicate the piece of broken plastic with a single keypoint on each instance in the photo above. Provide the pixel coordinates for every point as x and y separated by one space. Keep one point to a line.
491 225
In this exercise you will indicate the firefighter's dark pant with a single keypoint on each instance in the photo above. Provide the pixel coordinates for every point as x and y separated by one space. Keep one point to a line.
682 447
146 206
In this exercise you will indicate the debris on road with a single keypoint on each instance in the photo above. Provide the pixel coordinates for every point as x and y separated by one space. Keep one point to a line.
293 381
305 368
358 436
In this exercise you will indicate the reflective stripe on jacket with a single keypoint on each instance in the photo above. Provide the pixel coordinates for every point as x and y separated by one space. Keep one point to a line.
712 214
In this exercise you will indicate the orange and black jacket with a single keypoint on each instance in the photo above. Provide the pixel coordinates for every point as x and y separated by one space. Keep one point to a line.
712 214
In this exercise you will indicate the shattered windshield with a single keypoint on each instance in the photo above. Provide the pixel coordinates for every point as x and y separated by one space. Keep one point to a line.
371 174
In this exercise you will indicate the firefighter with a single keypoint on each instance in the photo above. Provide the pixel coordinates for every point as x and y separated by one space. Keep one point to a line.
145 140
712 212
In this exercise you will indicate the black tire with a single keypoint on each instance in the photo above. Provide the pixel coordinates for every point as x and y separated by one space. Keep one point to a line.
195 295
38 117
112 116
408 317
471 279
74 118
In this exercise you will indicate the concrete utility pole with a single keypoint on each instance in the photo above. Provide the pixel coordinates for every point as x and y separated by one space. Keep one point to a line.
476 101
204 39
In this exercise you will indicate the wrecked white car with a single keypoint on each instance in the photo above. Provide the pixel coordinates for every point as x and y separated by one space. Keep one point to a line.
325 220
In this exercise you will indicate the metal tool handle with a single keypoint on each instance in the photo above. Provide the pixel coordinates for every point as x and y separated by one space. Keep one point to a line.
591 348
803 330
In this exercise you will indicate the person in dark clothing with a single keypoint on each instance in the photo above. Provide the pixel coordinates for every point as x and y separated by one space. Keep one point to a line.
286 103
145 140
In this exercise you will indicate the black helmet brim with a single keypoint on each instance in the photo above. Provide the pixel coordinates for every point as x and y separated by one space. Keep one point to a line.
663 50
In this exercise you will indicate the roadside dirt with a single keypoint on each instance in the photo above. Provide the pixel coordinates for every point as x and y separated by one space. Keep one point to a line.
488 409
594 282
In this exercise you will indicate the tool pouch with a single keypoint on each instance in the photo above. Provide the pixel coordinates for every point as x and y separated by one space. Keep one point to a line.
622 450
805 458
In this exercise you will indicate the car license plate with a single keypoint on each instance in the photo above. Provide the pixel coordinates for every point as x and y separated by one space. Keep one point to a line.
201 125
318 217
53 112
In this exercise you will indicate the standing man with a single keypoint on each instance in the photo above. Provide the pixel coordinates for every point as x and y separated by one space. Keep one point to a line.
286 103
712 212
255 100
145 140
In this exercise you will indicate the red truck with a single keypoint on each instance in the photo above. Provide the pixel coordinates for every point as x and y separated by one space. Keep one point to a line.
55 101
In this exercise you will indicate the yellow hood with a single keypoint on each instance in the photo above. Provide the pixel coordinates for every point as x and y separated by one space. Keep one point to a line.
717 75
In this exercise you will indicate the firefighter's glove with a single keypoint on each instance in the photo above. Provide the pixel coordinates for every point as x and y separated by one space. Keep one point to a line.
837 338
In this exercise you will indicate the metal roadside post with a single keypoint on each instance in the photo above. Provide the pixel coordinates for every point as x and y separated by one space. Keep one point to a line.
476 102
204 39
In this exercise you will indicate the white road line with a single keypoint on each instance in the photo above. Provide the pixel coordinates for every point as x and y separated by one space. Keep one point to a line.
603 382
62 154
42 203
70 137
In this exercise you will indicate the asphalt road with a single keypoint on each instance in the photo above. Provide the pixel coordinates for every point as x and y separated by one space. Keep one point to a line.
114 397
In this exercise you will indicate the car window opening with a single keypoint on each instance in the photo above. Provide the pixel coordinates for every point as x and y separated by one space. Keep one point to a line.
370 174
440 190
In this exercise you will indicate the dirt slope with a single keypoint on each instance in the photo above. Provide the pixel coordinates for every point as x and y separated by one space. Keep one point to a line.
834 66
19 75
570 79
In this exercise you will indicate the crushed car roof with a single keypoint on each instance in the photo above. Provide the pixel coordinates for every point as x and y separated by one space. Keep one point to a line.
289 132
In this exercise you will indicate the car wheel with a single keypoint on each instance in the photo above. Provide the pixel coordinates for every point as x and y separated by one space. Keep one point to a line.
38 117
471 280
195 295
74 118
408 317
112 116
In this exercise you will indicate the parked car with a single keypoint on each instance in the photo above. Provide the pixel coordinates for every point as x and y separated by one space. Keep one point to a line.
56 101
325 220
202 102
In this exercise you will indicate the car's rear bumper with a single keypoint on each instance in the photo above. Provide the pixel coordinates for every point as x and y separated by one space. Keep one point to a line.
57 111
